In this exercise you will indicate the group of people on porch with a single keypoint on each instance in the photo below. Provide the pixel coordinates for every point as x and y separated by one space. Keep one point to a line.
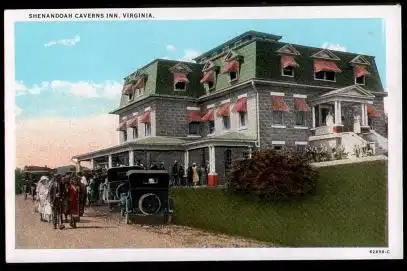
195 175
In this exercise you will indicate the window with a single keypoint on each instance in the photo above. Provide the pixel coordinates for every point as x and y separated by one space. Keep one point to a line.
193 128
180 86
147 129
277 147
211 124
300 148
228 160
131 95
323 75
137 93
277 117
242 119
135 133
360 80
124 135
226 122
288 71
300 118
232 76
210 84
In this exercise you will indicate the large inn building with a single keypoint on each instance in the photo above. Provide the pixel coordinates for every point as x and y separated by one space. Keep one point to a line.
250 92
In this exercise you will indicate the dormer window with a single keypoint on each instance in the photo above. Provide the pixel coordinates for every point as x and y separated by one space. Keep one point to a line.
180 72
287 65
232 66
325 70
360 72
180 81
209 75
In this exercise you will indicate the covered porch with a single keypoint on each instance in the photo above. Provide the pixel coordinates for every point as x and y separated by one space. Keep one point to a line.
218 153
145 151
341 110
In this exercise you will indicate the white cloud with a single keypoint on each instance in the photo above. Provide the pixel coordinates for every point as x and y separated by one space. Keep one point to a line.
170 48
165 57
334 47
17 110
20 88
112 90
65 42
190 54
84 89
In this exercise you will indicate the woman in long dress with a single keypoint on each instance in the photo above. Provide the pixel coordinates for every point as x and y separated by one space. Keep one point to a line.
329 120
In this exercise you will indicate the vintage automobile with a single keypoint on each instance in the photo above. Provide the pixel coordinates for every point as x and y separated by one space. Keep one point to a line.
117 182
31 179
147 200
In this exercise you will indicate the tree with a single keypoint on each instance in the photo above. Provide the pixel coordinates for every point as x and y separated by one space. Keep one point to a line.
19 180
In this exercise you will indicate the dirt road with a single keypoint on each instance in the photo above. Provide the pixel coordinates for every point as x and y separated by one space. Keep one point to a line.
100 228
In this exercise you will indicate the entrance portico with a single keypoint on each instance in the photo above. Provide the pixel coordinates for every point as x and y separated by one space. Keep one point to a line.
346 106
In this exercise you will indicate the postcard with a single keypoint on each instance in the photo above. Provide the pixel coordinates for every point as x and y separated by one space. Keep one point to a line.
192 134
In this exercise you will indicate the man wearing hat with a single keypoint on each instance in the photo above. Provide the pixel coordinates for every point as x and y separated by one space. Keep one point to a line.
57 192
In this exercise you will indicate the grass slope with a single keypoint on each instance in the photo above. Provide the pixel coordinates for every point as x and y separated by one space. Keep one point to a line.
349 209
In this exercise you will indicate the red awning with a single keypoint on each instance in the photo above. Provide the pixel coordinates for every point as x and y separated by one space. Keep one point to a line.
208 77
288 61
145 118
122 126
301 105
240 105
139 83
231 66
359 71
180 77
277 103
194 116
372 112
133 122
325 65
208 116
127 88
223 110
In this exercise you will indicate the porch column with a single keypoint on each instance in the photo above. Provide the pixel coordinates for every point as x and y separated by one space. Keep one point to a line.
313 116
250 152
78 166
92 163
364 114
110 162
212 176
338 112
131 158
186 161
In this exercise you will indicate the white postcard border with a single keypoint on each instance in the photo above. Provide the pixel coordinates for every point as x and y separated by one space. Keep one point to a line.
392 18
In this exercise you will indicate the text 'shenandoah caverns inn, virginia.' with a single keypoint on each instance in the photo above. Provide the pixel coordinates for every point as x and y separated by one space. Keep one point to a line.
250 92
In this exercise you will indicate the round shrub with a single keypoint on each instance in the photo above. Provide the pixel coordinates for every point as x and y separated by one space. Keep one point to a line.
273 175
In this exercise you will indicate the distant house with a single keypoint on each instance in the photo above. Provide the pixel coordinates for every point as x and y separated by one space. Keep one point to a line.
251 92
65 169
37 169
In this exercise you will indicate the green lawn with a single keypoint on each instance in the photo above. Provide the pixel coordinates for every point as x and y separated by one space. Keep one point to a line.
348 209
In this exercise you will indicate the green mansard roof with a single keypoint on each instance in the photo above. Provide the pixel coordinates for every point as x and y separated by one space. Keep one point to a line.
259 58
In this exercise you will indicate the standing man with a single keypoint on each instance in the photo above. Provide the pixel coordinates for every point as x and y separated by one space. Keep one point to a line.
56 197
175 173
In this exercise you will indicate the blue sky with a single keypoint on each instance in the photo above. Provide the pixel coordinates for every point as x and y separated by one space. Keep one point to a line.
75 69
